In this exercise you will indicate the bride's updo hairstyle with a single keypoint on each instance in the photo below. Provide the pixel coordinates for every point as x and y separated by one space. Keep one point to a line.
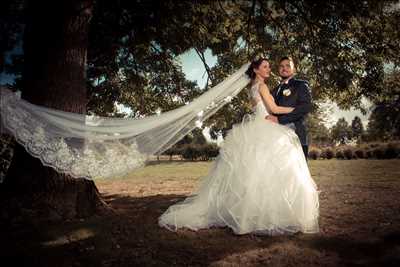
254 65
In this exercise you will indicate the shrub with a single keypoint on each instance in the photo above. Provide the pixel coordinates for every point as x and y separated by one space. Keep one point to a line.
360 153
390 152
190 152
396 147
212 150
314 154
364 151
199 152
171 152
329 154
369 154
348 153
339 154
207 151
378 153
374 145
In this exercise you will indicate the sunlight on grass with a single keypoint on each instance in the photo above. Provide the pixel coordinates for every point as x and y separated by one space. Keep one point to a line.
338 170
166 171
75 236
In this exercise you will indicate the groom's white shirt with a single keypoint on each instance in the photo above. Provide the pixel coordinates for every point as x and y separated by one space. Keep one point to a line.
282 83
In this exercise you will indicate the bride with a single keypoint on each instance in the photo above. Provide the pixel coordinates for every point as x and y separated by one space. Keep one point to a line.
260 182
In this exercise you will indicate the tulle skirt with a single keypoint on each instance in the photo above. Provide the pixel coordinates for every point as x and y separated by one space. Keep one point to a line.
260 183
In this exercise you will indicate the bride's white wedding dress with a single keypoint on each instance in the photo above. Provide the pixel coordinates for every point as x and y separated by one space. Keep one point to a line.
260 183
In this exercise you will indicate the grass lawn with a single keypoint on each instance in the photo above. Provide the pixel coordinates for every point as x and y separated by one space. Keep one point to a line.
359 221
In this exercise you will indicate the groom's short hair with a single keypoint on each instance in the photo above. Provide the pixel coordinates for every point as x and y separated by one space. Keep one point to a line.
286 58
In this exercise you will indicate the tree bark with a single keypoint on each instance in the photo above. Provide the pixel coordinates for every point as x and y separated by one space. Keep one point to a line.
55 49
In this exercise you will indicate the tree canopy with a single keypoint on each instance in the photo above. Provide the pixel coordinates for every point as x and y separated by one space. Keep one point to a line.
346 49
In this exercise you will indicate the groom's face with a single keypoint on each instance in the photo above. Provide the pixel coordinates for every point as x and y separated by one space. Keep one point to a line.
286 68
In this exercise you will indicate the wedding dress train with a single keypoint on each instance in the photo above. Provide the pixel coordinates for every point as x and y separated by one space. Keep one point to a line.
260 183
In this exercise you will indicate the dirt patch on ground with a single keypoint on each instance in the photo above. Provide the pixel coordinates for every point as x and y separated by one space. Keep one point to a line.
360 225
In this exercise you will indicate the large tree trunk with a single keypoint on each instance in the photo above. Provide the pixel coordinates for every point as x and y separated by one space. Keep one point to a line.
55 48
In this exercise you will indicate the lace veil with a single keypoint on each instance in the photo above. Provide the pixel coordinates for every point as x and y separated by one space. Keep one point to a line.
100 147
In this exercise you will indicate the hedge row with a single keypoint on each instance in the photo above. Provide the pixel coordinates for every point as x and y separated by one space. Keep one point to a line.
194 151
373 151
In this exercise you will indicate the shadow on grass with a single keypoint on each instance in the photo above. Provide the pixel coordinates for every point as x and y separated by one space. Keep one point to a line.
379 251
132 237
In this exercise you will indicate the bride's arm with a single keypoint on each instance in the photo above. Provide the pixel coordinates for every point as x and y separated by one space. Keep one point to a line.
270 102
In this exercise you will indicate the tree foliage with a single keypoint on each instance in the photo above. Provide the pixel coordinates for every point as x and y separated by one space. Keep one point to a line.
341 131
357 128
341 47
384 121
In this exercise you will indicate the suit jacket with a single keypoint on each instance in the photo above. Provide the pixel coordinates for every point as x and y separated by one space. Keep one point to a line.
297 94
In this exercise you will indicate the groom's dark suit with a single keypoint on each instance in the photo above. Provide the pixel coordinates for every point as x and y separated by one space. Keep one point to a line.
295 93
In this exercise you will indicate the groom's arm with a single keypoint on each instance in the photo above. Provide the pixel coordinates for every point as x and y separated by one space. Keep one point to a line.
302 107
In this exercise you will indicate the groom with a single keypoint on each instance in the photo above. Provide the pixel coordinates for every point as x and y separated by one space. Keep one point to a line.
292 92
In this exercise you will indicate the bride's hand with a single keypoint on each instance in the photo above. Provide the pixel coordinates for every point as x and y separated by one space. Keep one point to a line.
272 118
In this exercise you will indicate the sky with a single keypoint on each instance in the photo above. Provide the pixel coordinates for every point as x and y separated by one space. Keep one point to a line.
194 70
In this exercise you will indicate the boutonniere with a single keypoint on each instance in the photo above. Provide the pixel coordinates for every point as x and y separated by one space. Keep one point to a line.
287 92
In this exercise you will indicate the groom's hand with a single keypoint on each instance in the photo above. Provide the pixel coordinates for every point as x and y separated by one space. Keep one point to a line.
272 118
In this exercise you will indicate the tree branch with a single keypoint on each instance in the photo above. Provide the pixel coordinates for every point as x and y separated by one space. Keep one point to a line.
208 70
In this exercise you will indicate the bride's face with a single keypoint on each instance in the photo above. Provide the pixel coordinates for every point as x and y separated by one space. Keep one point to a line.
263 70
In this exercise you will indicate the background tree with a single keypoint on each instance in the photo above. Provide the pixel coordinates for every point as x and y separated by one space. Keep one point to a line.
341 131
357 129
384 121
319 133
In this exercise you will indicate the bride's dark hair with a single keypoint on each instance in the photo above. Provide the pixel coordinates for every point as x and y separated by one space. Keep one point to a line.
254 65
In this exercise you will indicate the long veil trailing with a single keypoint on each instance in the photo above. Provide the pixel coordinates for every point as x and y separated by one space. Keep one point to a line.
100 147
